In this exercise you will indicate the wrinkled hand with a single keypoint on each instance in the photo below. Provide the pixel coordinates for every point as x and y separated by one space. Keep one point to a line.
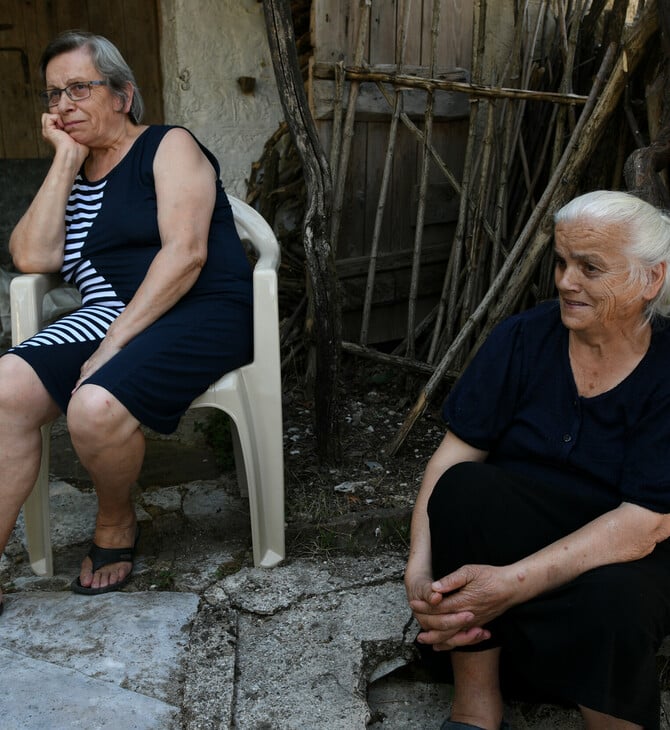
443 629
453 610
54 132
105 352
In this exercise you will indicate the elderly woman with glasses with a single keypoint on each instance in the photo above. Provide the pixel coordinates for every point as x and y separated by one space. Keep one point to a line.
136 218
539 549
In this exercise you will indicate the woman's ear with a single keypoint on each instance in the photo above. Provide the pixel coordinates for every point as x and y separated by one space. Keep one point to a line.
655 279
126 101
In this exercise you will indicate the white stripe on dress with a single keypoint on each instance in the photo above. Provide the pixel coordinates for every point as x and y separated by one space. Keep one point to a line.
100 303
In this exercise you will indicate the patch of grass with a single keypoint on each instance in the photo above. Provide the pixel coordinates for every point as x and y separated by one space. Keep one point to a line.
216 430
164 580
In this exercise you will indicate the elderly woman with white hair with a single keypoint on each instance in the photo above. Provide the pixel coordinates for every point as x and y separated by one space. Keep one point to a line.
539 542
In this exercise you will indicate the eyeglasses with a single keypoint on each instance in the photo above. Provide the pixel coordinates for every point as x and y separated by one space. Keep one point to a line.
76 92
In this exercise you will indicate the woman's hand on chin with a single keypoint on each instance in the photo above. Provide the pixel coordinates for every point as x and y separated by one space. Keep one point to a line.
53 131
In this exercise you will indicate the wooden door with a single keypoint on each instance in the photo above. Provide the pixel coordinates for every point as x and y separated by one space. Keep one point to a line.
27 26
338 40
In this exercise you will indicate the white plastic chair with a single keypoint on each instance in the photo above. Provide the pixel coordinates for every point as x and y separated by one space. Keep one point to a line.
251 396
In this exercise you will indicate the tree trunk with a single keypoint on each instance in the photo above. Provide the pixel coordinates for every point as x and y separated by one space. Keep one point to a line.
316 226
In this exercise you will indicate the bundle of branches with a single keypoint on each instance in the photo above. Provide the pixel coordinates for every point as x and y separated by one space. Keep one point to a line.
525 158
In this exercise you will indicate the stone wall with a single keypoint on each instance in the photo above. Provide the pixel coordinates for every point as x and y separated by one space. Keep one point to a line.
206 46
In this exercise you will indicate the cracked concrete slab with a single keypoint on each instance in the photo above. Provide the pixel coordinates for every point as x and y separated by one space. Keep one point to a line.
114 661
305 633
40 695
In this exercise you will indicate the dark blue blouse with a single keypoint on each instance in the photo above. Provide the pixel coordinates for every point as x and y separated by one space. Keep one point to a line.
518 401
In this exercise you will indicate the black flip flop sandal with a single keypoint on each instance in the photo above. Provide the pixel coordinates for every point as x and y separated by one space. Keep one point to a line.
106 556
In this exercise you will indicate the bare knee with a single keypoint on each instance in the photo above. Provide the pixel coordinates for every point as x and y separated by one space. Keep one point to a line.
24 401
95 418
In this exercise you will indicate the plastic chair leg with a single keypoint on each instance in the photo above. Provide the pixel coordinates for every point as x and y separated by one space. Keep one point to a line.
36 515
268 506
240 468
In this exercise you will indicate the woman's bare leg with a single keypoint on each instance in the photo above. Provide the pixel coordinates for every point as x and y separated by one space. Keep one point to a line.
598 721
110 445
477 697
25 406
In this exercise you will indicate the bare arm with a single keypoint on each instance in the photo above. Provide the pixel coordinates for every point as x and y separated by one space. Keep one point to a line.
186 194
37 241
626 533
418 573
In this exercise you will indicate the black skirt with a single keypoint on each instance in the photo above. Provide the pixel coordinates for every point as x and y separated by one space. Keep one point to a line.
592 642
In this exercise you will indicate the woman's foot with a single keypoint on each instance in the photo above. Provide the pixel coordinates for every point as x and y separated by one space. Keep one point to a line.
109 563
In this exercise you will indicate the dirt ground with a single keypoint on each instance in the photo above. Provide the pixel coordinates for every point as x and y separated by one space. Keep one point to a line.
362 504
365 500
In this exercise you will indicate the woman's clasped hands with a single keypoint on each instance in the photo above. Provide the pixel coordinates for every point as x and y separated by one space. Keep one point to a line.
455 610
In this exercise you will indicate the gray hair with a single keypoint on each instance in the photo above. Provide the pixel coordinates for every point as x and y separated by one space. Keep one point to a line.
647 229
108 61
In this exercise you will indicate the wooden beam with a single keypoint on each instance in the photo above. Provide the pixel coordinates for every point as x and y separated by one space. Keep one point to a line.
406 81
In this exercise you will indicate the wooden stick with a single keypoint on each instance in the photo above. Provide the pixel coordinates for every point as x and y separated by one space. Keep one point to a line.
451 284
423 187
336 131
473 250
421 328
415 366
551 198
361 74
383 191
348 132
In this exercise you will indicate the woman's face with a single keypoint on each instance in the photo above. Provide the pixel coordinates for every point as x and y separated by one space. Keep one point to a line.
595 288
89 121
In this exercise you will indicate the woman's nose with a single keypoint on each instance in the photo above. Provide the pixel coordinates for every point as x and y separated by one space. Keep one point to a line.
64 102
565 278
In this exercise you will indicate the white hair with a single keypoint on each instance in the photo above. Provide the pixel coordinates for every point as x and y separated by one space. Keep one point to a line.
647 229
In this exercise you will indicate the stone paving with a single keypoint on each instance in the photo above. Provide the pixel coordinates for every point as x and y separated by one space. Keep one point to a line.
202 640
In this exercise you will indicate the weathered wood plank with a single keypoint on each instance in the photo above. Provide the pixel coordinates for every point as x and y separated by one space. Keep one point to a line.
456 24
371 105
352 225
390 261
413 46
382 32
143 52
329 29
68 14
38 25
18 135
402 184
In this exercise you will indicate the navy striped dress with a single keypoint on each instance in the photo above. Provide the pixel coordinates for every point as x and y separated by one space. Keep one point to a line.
112 237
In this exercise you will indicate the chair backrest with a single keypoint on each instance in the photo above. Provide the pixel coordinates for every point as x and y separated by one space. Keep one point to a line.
255 230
